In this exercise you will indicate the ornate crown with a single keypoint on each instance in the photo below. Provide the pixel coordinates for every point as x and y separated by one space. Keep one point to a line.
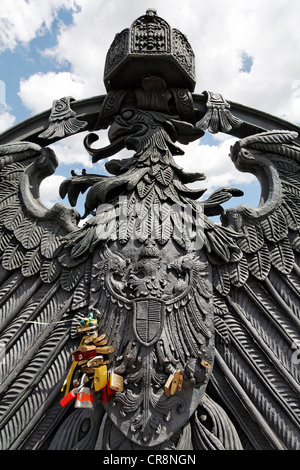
149 47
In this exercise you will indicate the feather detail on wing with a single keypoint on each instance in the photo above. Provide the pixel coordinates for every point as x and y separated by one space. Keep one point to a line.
189 319
38 293
257 297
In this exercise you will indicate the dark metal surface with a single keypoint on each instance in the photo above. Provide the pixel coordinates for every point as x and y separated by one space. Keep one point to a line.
149 327
88 109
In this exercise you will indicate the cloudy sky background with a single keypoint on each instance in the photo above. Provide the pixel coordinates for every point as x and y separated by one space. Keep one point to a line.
247 50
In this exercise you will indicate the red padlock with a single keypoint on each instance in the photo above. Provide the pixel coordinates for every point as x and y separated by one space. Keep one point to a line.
180 380
84 355
69 397
107 393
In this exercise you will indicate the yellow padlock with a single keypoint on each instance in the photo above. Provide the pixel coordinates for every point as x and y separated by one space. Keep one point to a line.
100 378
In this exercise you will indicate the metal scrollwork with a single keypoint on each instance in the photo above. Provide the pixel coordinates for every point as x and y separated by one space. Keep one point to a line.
218 117
62 120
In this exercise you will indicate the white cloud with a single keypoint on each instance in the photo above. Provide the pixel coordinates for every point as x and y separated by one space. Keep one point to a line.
23 20
39 90
293 106
49 190
215 163
70 151
6 119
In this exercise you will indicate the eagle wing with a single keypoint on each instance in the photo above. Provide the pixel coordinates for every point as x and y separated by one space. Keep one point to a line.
255 260
42 293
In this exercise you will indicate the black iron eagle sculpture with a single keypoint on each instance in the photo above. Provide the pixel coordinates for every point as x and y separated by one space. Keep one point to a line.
150 326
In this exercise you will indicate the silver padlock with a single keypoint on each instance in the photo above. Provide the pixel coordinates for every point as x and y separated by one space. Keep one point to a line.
85 395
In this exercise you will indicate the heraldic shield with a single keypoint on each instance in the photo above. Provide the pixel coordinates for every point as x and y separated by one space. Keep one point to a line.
165 373
148 320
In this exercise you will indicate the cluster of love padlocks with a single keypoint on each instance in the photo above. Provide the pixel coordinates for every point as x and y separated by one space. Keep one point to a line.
89 372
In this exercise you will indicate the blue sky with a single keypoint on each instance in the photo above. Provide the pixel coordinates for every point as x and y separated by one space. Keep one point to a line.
246 50
26 59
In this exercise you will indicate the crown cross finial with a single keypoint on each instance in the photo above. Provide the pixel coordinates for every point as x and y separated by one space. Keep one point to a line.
151 12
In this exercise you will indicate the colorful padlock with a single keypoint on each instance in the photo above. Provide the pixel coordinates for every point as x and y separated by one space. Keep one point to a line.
85 398
107 394
81 356
85 395
180 382
100 378
69 397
